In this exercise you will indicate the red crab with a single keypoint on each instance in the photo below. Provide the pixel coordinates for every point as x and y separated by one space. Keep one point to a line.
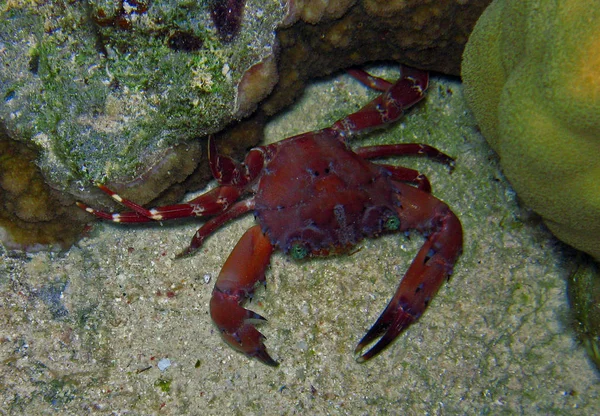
313 196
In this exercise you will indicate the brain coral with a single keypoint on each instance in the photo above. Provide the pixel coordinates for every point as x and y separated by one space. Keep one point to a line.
531 71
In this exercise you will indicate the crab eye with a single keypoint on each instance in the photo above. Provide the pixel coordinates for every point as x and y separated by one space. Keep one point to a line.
391 223
299 250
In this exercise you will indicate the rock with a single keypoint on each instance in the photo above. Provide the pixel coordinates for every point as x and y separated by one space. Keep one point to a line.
32 215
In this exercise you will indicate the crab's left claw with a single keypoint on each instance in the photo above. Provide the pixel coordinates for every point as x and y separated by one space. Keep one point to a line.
430 268
244 268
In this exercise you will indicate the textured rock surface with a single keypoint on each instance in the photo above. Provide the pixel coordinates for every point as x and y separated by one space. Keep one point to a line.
107 92
427 34
36 215
120 92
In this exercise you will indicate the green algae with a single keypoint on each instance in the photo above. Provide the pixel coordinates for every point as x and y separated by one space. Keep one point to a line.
163 385
106 100
584 295
59 392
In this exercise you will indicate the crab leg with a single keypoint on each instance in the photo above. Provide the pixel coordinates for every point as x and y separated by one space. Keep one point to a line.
232 177
239 208
405 149
213 202
400 173
432 265
376 83
243 269
227 171
387 107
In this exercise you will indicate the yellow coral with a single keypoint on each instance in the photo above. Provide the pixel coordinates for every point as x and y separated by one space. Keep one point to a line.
531 71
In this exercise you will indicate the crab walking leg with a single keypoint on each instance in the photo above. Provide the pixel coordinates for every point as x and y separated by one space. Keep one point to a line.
210 226
400 173
428 271
244 268
386 108
405 149
376 83
212 202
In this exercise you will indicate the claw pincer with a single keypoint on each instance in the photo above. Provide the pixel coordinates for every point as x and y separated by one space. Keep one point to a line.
313 196
430 268
244 268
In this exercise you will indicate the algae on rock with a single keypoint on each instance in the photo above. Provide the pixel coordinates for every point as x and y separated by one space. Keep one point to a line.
106 90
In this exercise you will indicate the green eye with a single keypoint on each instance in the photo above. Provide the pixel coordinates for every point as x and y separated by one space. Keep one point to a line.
298 251
391 223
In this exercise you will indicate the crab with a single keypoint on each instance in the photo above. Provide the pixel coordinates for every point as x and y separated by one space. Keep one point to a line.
312 195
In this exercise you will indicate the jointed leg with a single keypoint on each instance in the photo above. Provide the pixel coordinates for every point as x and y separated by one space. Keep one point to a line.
376 83
210 203
405 149
386 108
400 173
211 225
215 202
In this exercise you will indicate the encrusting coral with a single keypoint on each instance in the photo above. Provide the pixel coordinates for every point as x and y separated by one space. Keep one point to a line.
531 71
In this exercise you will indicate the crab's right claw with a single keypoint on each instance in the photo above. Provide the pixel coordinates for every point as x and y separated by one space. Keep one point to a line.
429 270
244 268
